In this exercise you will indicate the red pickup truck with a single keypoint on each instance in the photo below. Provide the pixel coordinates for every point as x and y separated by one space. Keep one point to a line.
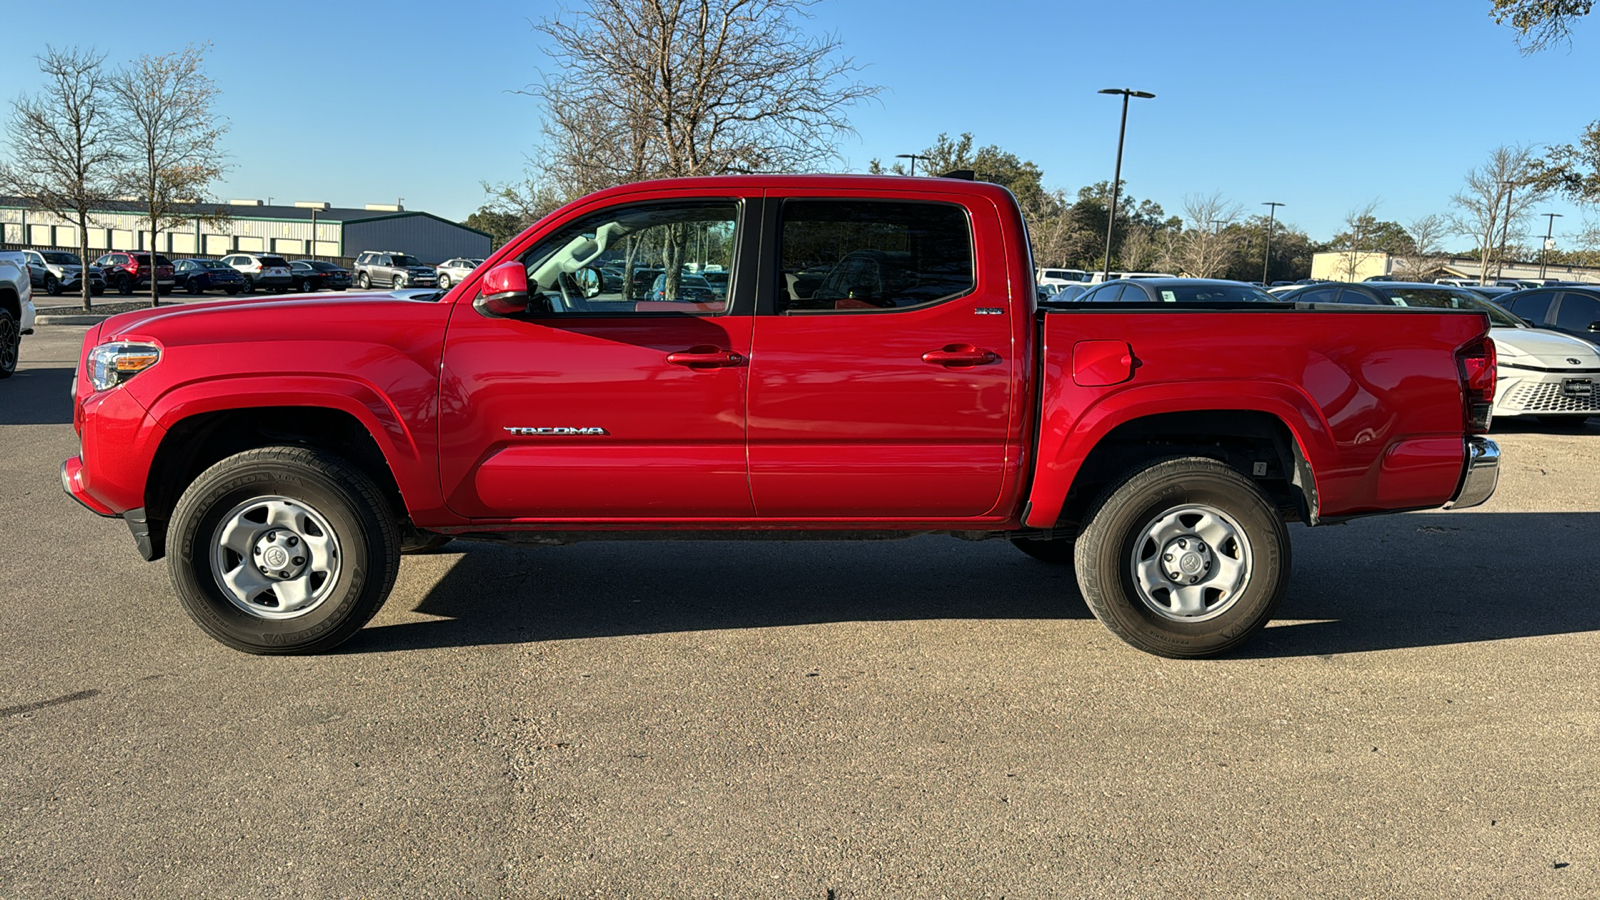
833 356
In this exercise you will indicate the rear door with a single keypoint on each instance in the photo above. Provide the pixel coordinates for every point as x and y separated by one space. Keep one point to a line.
883 359
1578 315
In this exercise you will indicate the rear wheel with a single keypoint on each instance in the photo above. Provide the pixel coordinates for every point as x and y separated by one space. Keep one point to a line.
444 282
124 285
1184 558
10 343
249 285
363 282
52 286
193 285
283 550
307 286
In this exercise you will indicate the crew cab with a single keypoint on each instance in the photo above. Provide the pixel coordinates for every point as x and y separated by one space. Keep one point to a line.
878 367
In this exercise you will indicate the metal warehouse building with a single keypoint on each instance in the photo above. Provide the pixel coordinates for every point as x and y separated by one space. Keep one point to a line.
251 225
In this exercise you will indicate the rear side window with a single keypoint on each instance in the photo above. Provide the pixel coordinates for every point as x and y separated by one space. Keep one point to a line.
862 255
1534 307
1318 295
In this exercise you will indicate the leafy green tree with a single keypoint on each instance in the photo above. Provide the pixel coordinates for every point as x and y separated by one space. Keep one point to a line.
1291 250
501 226
1575 168
1366 233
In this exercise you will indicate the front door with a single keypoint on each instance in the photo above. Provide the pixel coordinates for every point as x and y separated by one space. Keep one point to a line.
597 405
883 374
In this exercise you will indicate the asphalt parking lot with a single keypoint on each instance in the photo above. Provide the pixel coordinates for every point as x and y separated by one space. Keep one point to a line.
920 718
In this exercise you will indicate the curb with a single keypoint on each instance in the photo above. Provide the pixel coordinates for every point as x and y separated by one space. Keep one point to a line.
77 319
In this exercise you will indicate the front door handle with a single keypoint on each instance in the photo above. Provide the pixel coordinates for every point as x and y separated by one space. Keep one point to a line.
960 356
705 357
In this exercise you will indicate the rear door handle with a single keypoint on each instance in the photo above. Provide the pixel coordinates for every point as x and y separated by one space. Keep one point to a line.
705 357
960 356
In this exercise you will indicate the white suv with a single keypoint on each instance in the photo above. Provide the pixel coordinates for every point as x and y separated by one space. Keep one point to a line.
264 270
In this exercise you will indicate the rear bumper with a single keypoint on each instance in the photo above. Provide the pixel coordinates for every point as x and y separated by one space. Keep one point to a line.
1482 475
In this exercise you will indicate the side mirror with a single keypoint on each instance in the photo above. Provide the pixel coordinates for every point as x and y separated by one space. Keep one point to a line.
588 281
504 290
1594 326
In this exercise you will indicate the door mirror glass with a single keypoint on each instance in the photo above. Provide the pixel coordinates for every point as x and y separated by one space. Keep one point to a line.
1594 326
588 281
505 290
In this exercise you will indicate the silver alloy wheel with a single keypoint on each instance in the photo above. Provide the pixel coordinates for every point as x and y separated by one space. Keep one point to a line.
10 343
307 287
444 282
275 558
399 282
1191 563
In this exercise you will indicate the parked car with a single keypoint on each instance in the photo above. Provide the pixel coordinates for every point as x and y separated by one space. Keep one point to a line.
1492 291
392 269
312 275
200 275
1175 290
1541 373
718 281
1161 450
127 272
1571 309
267 271
58 272
16 308
453 270
691 289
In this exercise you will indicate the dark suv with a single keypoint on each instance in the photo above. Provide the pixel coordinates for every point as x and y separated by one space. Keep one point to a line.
127 272
1570 308
391 269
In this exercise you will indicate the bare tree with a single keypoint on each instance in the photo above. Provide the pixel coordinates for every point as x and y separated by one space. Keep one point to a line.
1205 247
1498 196
672 88
1540 23
1358 234
62 157
171 138
1427 237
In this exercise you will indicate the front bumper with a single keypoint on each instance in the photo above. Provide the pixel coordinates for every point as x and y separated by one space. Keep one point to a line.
1527 393
1482 474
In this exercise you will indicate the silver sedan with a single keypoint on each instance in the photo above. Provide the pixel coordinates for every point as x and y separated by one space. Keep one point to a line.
453 270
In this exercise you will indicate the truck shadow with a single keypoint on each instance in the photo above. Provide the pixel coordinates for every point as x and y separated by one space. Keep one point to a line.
1419 580
37 396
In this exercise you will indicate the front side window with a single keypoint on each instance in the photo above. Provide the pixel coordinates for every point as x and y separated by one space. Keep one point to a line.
872 255
635 259
1577 312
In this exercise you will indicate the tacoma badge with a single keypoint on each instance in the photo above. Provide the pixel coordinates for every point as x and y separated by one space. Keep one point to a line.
557 430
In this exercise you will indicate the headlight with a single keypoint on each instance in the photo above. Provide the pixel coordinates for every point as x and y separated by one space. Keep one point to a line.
112 364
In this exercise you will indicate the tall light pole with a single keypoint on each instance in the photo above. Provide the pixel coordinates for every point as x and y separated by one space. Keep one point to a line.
1116 179
1266 255
913 157
1549 230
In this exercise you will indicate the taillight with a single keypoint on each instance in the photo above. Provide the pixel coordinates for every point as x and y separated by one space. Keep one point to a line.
1476 362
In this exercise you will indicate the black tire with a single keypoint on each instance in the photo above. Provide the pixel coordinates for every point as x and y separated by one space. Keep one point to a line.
193 286
363 282
308 286
52 285
354 511
423 542
97 291
1058 552
1123 527
124 285
249 285
10 343
233 290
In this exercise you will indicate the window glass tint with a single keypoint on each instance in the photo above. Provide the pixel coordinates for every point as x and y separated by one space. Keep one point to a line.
1450 298
1534 306
61 259
274 261
1358 298
1209 293
1105 293
401 259
636 259
871 254
1577 312
1317 295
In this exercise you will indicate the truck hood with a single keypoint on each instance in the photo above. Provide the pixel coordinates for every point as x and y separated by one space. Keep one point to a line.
1545 349
218 315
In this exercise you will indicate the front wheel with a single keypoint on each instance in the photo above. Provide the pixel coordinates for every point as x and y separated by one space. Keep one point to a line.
283 550
399 282
10 343
1184 558
52 285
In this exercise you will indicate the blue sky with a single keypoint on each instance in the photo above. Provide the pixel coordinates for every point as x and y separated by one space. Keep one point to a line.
1323 106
